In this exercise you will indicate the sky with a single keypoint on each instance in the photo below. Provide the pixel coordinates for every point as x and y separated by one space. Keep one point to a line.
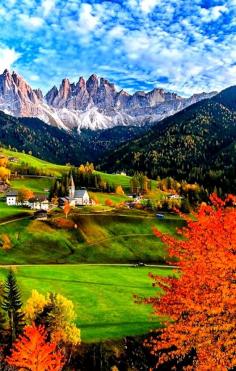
185 46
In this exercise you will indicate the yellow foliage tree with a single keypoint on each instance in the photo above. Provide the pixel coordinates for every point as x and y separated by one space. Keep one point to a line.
3 160
60 316
6 242
119 190
34 305
4 173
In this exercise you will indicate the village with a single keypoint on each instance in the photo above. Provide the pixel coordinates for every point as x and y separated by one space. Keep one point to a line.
41 204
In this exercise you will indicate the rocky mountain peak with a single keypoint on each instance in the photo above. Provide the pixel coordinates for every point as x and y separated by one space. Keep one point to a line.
93 104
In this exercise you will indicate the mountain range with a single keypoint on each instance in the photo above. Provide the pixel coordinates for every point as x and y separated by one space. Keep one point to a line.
196 144
93 104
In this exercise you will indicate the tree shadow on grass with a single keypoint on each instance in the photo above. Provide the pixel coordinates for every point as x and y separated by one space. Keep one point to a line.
156 324
96 283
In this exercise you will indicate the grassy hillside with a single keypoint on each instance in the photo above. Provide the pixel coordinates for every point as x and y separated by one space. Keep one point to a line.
110 289
11 212
47 167
97 238
54 170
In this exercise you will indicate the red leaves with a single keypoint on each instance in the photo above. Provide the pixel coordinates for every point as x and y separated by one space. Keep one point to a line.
202 301
32 351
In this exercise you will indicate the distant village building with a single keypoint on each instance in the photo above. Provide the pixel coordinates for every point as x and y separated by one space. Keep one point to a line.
13 159
12 198
35 203
41 215
39 203
174 197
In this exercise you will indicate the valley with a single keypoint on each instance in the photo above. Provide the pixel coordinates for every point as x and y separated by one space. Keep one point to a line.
90 256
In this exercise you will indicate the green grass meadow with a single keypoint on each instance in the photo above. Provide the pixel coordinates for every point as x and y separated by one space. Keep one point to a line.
37 185
102 295
97 239
10 212
47 167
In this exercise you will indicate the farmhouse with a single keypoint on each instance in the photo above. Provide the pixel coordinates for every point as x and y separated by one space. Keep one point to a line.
41 215
12 198
38 203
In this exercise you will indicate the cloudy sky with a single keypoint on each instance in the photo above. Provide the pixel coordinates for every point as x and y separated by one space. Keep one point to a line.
186 46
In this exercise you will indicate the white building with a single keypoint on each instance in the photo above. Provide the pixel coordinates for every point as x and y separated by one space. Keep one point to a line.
77 197
12 198
38 203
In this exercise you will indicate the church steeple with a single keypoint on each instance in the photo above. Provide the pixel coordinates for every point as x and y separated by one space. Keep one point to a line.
71 187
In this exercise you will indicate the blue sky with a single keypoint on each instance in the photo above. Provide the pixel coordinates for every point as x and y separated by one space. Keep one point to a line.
186 46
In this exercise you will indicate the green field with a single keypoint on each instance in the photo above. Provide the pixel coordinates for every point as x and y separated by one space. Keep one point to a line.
103 296
102 197
9 212
37 185
47 167
57 170
101 238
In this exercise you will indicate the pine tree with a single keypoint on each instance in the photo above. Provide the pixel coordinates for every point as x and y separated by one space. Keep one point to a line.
12 305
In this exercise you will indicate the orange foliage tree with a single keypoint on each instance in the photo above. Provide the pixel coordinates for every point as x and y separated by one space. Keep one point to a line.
25 194
32 352
109 202
200 300
66 208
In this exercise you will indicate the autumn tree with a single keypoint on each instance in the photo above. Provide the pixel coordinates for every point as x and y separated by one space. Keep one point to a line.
5 242
4 173
109 202
199 301
66 208
25 194
12 305
3 160
33 352
56 313
119 190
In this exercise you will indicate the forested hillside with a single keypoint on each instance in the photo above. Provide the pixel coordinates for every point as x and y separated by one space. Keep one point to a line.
55 145
196 144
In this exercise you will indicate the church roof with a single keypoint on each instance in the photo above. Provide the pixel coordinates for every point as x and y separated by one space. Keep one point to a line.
71 183
80 193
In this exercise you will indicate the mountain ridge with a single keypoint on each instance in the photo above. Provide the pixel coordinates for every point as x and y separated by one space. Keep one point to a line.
196 144
93 104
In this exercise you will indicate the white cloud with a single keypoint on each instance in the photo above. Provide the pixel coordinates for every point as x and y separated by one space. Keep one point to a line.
31 22
212 14
8 57
47 6
117 32
87 21
148 5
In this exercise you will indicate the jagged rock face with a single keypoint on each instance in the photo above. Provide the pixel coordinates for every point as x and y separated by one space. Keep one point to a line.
93 104
17 97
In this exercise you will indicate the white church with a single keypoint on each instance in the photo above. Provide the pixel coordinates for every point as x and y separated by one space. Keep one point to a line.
77 197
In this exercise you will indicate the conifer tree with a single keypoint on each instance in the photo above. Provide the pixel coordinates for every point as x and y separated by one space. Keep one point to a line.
12 304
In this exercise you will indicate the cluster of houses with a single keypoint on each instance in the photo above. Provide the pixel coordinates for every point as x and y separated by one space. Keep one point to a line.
76 197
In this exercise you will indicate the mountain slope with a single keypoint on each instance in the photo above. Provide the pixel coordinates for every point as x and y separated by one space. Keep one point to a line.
55 145
196 144
93 104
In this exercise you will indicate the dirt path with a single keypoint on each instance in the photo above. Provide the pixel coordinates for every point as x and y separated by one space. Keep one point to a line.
15 220
90 264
